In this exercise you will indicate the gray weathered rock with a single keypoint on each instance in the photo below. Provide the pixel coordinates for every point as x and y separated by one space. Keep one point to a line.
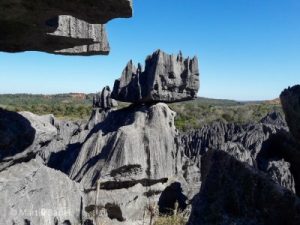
131 139
61 27
280 172
245 142
128 154
274 118
234 193
166 78
103 99
290 100
35 193
27 135
253 144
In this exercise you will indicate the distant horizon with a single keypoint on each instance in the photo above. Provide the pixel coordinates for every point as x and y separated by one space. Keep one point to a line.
91 93
246 50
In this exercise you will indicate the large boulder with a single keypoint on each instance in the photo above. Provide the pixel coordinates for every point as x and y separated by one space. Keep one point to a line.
60 27
166 78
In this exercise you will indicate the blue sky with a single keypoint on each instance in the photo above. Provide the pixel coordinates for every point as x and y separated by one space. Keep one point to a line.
248 49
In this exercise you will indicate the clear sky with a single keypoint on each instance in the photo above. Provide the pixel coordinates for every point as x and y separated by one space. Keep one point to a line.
248 49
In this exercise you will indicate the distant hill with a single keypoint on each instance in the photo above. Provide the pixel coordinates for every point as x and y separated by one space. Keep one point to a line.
211 101
275 101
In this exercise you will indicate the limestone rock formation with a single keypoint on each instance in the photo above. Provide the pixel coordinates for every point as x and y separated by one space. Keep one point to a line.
290 99
103 99
256 145
112 167
61 27
166 78
132 159
129 135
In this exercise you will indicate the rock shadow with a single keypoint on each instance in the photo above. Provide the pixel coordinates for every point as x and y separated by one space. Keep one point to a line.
16 133
119 118
64 160
169 197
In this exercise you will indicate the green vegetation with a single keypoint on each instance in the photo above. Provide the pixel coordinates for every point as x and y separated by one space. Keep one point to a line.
69 106
191 114
195 114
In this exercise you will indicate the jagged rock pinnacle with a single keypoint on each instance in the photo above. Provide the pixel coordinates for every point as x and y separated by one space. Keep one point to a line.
166 78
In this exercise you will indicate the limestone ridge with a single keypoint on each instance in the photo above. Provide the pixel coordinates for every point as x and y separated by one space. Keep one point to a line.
166 78
60 27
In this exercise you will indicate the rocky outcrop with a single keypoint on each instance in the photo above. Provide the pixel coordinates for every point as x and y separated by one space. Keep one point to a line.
64 27
166 78
103 100
290 100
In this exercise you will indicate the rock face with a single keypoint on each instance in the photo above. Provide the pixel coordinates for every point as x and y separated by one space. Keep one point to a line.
129 134
103 100
166 78
290 99
67 27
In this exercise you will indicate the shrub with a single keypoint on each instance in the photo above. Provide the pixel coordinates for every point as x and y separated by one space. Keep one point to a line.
178 219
